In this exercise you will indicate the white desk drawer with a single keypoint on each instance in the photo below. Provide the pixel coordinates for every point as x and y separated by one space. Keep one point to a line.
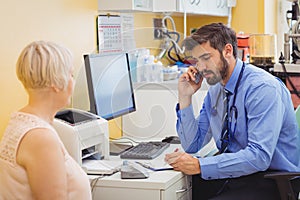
181 190
114 193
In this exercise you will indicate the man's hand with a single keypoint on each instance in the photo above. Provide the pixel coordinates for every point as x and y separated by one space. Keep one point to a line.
183 162
187 86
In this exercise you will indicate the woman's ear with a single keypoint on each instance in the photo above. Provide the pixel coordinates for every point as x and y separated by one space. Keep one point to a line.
55 88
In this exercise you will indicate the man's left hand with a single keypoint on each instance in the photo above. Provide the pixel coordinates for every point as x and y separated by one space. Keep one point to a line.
183 162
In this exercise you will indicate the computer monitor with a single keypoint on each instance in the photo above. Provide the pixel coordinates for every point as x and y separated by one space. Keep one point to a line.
109 84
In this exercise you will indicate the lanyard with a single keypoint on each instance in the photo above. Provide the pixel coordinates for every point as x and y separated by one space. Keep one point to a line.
233 110
237 84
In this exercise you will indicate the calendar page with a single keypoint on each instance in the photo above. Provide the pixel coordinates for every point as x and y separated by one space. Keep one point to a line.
109 34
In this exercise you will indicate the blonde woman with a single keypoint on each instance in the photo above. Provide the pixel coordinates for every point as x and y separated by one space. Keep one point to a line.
34 163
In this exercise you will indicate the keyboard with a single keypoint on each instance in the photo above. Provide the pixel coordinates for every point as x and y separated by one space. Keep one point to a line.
145 150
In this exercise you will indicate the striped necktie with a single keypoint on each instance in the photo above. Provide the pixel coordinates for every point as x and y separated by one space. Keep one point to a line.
225 131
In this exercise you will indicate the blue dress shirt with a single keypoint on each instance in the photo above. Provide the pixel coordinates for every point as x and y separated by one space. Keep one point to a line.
266 135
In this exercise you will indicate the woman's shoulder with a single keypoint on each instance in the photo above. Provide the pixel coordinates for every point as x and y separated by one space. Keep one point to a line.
38 141
21 125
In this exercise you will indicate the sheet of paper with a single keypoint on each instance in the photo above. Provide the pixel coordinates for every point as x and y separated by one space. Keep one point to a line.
101 166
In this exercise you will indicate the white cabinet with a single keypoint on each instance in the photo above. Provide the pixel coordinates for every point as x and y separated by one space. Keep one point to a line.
165 185
125 5
164 6
181 190
204 7
192 6
217 7
201 7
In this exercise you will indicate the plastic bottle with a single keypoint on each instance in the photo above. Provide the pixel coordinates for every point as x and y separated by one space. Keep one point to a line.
157 71
142 60
133 65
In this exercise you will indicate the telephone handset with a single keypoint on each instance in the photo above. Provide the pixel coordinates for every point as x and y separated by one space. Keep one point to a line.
198 77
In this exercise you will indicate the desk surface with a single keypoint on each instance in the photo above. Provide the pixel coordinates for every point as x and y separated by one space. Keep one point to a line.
157 180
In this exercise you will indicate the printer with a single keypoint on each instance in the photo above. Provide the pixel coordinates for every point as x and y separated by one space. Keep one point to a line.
84 134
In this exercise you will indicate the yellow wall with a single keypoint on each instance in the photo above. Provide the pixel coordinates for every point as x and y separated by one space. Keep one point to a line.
69 22
72 23
247 16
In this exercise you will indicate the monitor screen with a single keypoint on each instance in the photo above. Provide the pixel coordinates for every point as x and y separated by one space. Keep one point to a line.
109 84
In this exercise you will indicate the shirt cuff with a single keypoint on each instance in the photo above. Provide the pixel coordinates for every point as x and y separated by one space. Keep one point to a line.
208 168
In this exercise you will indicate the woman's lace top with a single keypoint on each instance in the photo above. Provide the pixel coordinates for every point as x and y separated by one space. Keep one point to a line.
14 181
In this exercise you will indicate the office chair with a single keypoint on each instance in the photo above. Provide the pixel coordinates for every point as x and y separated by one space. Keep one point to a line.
288 182
298 115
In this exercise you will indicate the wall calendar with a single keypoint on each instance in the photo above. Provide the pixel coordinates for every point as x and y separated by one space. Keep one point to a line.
109 35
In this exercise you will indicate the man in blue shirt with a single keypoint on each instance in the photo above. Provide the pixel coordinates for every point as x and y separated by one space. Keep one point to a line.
257 132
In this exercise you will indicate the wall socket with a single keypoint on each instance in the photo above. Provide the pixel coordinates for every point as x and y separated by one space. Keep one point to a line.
157 29
231 3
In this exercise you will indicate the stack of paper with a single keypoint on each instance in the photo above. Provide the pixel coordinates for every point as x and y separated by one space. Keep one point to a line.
101 167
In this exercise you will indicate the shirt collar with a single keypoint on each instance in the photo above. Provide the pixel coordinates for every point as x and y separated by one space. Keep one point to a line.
230 85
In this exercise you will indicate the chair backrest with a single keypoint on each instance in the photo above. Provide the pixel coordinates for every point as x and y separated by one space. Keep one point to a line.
297 111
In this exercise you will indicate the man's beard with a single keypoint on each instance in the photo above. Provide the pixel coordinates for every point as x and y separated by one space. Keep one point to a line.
218 76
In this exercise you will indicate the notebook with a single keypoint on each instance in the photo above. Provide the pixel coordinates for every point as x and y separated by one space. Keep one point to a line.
101 167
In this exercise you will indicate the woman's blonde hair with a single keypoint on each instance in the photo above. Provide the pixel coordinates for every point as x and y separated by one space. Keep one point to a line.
44 64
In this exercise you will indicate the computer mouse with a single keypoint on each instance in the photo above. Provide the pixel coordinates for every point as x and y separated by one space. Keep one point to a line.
172 140
130 170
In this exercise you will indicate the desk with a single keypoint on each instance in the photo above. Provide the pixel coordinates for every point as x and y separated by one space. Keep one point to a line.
162 185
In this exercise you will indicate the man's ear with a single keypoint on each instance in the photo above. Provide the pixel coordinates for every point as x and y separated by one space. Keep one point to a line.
228 51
